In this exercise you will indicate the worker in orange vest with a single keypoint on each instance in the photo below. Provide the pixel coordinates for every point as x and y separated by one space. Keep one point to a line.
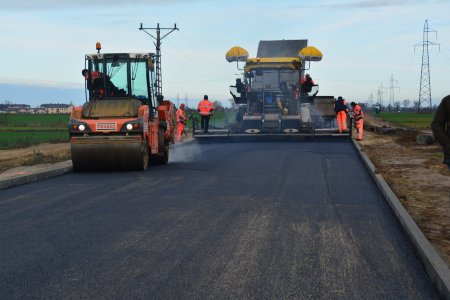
341 109
181 121
205 109
358 115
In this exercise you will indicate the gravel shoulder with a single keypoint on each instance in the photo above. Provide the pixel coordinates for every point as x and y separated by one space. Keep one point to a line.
36 154
417 176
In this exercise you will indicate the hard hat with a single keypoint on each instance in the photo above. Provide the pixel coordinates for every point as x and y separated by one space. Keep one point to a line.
182 105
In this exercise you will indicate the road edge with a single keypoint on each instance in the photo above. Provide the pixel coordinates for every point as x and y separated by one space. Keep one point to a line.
434 265
34 177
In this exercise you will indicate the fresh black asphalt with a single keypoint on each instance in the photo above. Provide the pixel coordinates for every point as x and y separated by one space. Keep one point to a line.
221 221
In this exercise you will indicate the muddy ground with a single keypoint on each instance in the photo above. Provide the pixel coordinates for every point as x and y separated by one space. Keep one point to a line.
417 176
415 173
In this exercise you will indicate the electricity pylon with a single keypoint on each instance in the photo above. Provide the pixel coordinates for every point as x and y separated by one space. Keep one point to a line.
425 81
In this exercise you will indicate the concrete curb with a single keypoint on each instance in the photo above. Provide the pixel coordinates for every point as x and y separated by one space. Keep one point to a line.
35 176
434 265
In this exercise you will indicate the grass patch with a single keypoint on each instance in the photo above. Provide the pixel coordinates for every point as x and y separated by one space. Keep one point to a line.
21 139
439 155
23 130
219 119
55 121
419 121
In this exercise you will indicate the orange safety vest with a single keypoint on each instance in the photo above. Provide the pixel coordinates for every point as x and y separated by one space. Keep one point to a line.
205 107
94 74
358 114
303 81
181 116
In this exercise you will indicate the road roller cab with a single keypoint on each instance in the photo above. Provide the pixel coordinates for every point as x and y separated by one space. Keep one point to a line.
121 125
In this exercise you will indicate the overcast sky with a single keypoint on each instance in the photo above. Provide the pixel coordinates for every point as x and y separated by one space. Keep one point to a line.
43 43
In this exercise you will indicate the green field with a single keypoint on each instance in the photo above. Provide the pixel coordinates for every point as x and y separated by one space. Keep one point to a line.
23 130
21 139
219 119
55 121
419 121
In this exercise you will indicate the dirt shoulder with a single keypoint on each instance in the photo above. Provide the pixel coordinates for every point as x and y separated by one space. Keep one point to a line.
417 176
37 154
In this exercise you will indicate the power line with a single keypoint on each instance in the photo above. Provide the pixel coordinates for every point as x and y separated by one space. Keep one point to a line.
193 61
201 55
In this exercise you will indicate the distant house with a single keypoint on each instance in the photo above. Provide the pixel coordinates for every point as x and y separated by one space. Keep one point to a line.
40 111
15 108
57 108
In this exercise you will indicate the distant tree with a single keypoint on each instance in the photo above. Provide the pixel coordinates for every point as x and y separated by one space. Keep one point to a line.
397 105
435 106
218 106
405 103
389 107
416 106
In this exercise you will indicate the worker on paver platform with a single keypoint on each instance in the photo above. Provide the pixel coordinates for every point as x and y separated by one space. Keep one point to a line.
307 83
181 121
441 127
341 109
358 115
205 108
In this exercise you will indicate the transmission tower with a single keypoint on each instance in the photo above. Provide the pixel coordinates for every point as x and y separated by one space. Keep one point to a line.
380 94
392 87
425 86
370 100
157 43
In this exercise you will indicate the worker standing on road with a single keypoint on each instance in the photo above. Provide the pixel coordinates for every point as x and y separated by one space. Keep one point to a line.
441 128
181 121
358 115
341 109
205 109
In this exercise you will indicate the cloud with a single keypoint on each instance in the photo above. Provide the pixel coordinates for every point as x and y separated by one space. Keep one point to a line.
39 83
367 4
64 4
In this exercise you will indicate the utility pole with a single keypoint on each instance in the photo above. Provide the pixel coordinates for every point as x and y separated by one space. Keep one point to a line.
391 91
157 44
425 85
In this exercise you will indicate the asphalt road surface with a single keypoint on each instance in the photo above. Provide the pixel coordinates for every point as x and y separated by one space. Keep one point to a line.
221 221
